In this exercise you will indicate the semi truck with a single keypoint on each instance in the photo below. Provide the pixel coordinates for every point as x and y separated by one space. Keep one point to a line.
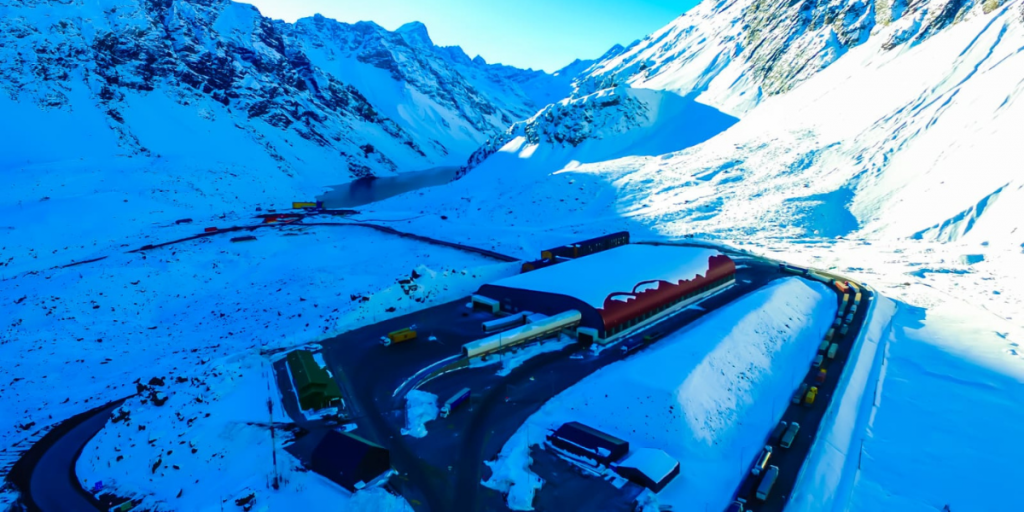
767 482
790 435
398 336
820 377
454 402
780 429
800 393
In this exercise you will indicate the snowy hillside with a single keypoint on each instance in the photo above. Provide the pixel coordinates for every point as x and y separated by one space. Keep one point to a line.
735 53
914 141
131 114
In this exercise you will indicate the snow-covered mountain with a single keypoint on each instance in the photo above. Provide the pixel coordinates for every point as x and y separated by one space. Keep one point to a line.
187 78
734 53
901 126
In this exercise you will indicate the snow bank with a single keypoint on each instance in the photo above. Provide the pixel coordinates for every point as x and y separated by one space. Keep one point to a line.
420 407
945 424
825 479
510 472
375 499
707 395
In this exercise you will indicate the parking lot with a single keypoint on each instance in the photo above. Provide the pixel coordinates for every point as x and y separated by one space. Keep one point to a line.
443 470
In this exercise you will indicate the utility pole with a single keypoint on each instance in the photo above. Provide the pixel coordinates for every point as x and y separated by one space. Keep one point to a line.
275 483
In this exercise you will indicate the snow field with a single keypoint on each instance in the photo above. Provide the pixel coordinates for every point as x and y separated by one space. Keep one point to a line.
707 395
210 444
79 337
946 419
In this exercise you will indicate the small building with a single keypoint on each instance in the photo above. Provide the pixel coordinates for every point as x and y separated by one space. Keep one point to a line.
649 467
350 460
581 440
315 387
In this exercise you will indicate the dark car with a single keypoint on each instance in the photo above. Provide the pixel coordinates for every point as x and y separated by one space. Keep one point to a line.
652 336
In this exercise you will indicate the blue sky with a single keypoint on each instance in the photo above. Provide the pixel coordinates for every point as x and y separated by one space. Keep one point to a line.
525 33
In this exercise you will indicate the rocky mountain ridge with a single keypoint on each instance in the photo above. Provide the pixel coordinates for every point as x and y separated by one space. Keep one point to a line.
316 83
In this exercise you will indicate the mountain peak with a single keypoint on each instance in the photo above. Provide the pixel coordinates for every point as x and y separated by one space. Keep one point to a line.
415 32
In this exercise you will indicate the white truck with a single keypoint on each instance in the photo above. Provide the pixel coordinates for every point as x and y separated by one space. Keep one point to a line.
790 435
454 402
767 482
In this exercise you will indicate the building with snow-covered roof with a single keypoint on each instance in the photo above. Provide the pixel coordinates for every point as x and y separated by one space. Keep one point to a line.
649 467
583 441
616 291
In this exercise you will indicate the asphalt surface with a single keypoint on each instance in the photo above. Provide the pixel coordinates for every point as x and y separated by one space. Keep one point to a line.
443 471
789 460
52 484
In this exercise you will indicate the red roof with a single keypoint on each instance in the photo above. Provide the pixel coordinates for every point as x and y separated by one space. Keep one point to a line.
620 307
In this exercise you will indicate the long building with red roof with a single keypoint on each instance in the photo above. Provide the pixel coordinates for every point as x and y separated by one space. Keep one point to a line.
617 290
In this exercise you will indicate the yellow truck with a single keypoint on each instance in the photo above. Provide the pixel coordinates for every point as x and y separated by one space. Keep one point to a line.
398 337
811 395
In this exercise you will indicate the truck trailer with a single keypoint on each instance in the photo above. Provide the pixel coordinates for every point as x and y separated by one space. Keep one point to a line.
398 337
780 429
790 436
454 402
767 482
800 393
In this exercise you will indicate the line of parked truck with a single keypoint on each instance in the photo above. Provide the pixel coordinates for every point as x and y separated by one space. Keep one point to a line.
785 433
568 252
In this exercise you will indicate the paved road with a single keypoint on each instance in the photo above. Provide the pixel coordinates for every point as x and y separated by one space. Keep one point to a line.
46 472
369 374
790 460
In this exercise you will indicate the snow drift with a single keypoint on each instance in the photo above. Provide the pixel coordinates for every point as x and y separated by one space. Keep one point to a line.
707 395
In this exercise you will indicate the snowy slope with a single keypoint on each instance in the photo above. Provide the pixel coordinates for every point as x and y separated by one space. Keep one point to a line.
916 141
704 394
83 336
735 53
921 451
122 114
